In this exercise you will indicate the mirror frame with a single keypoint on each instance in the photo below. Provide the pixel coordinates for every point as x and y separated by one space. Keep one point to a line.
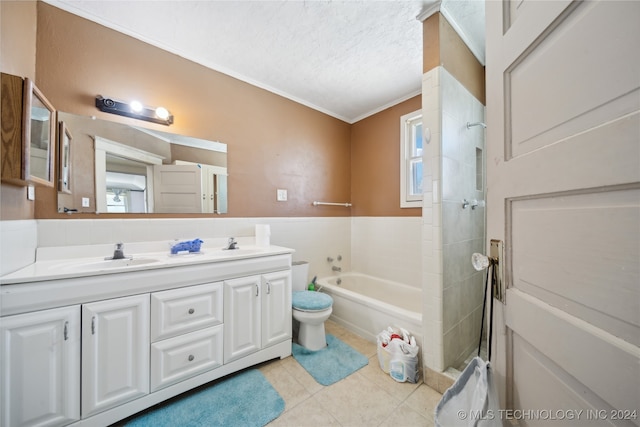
64 158
31 91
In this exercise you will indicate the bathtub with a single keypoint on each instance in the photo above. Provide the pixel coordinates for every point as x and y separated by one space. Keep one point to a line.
366 305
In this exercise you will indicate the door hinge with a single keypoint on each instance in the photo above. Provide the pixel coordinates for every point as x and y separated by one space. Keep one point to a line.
496 253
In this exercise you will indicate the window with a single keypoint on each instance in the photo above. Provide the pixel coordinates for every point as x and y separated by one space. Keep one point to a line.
411 160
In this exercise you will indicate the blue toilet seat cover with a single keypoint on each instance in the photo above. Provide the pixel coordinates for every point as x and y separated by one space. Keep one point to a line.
311 301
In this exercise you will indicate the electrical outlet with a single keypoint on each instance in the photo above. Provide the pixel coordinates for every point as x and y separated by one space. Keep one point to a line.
31 192
281 195
85 202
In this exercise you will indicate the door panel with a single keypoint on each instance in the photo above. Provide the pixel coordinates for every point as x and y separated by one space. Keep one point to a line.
535 367
177 188
563 192
558 243
540 75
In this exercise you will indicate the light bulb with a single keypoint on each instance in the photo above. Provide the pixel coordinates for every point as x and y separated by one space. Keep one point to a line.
162 113
136 106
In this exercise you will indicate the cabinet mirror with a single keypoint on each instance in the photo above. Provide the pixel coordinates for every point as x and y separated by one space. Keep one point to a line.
39 135
122 168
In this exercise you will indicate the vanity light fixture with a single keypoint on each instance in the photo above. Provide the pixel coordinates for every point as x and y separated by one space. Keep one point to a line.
135 110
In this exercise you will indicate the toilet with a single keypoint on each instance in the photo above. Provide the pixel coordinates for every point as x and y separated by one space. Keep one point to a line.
310 308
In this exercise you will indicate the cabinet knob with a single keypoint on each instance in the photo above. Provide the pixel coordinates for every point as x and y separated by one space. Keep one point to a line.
191 311
191 357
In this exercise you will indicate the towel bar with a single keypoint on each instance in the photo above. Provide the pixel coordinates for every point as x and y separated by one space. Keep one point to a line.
346 205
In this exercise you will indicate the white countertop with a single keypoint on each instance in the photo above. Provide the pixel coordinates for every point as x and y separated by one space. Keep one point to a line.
66 262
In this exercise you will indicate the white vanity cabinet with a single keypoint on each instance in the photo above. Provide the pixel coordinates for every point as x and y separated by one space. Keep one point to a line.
276 307
92 349
190 320
41 368
257 313
115 352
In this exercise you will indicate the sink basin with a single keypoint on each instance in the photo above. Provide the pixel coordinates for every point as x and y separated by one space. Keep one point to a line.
107 264
239 252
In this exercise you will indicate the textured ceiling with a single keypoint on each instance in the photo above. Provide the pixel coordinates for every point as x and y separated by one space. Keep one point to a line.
348 59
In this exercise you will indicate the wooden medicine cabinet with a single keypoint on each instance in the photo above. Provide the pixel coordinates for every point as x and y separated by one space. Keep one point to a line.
28 133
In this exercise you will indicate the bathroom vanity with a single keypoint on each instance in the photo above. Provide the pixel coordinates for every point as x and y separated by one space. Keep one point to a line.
88 341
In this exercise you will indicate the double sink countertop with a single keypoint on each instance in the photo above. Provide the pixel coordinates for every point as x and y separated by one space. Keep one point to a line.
65 262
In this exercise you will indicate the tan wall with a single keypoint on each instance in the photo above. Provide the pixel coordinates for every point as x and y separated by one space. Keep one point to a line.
272 142
458 59
18 57
442 46
431 43
375 163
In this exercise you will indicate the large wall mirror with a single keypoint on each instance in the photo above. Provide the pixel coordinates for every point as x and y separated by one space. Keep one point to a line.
121 168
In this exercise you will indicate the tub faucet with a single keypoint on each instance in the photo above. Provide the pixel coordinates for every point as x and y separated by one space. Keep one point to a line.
334 268
232 244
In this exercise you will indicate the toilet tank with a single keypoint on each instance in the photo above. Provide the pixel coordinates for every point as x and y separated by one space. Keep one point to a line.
299 275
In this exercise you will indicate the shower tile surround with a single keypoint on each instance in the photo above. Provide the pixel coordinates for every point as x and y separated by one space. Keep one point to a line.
452 288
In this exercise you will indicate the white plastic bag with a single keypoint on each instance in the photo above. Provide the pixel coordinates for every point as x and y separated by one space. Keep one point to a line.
472 400
398 355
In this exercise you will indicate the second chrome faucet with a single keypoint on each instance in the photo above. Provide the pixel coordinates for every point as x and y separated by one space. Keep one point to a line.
118 252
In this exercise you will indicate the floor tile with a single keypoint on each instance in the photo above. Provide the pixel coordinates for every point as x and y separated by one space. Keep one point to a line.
424 400
369 397
405 416
306 414
284 382
375 374
356 401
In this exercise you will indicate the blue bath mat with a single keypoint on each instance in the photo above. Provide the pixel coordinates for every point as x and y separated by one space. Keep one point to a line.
245 399
332 363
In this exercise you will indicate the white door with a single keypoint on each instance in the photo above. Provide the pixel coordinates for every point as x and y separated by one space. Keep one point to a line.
41 368
276 307
115 352
563 193
177 188
242 303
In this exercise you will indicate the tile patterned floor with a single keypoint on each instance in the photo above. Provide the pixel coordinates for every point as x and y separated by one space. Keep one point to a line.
369 397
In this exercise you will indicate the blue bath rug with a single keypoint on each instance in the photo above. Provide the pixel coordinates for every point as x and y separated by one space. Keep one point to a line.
245 399
332 363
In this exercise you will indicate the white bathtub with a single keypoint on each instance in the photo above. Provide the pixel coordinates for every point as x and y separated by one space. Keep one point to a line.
366 305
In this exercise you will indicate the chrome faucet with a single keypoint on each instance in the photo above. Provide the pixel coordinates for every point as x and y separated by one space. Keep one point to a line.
334 268
232 244
118 253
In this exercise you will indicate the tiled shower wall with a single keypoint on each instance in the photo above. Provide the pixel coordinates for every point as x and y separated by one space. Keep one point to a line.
463 229
454 171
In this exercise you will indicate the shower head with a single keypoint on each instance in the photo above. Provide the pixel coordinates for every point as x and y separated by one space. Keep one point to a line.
470 125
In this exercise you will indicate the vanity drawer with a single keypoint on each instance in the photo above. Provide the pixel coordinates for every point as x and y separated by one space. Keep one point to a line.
179 358
178 311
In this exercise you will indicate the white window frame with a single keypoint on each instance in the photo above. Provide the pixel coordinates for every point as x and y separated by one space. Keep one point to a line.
406 144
